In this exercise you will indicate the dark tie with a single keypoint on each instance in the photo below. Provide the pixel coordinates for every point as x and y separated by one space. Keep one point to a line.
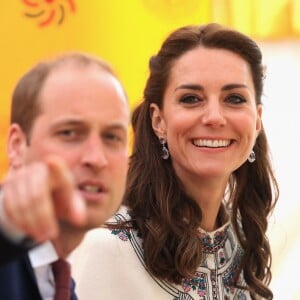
62 276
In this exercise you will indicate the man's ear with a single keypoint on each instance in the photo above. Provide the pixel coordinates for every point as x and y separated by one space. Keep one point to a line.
16 146
158 122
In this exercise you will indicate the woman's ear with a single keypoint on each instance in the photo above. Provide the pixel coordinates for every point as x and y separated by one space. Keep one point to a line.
16 146
158 122
258 120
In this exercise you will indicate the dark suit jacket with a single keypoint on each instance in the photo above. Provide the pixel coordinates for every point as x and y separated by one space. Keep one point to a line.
10 251
17 279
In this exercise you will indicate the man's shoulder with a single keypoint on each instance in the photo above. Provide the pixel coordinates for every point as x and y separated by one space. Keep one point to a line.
17 280
11 251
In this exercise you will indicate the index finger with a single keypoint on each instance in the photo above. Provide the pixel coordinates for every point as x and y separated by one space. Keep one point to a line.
68 204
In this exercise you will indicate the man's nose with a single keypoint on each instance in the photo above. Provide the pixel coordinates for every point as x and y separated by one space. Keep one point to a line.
94 153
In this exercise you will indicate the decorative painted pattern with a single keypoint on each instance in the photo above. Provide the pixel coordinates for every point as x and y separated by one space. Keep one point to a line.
46 12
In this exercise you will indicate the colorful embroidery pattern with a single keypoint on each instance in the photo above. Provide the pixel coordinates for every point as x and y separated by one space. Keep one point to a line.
211 244
230 275
47 12
123 234
198 284
218 273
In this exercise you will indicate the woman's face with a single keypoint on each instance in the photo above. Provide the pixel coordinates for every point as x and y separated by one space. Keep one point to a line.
209 116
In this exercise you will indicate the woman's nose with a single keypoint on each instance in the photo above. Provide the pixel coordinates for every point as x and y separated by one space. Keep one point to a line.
213 114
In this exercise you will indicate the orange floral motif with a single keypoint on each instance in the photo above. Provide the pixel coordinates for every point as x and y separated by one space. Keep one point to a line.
47 12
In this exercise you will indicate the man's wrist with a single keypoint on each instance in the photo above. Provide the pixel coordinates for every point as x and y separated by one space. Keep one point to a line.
9 230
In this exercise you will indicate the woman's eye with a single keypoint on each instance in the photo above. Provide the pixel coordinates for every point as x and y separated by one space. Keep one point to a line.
235 99
190 99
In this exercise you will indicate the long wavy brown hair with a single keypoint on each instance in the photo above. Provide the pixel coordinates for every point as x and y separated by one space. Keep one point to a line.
165 217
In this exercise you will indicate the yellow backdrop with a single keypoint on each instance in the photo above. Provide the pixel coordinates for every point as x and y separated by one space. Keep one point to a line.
126 33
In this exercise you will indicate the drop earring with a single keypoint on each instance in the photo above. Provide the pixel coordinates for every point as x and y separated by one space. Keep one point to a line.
165 152
251 157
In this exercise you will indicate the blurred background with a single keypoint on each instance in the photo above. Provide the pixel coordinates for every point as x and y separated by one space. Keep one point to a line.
127 33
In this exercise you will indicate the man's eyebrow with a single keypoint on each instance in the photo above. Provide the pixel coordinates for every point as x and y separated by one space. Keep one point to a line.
79 122
69 122
116 126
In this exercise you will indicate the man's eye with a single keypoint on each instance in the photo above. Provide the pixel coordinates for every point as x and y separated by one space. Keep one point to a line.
67 132
112 137
190 99
70 134
235 99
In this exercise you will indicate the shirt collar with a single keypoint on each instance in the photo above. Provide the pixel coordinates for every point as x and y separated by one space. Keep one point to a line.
43 254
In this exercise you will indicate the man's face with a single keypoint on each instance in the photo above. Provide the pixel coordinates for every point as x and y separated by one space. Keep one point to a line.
84 119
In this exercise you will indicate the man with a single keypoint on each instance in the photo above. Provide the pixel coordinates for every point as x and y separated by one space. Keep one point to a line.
67 148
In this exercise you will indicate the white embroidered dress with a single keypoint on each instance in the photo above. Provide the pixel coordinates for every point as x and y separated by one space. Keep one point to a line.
109 265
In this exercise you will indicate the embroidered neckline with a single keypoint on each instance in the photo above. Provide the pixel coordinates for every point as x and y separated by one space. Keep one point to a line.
214 240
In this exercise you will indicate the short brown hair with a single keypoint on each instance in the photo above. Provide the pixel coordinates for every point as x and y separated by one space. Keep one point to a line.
25 105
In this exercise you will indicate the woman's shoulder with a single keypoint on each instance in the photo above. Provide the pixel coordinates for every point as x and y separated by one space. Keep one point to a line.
104 237
121 215
103 243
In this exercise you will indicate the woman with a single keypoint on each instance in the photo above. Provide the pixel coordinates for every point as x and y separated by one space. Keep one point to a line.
200 185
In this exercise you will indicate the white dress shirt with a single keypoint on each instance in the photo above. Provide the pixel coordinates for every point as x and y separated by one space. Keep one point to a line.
41 258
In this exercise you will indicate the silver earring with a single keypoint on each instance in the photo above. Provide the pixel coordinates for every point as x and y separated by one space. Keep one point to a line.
165 152
251 157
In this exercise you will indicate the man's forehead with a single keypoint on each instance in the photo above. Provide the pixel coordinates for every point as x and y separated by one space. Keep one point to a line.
63 77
